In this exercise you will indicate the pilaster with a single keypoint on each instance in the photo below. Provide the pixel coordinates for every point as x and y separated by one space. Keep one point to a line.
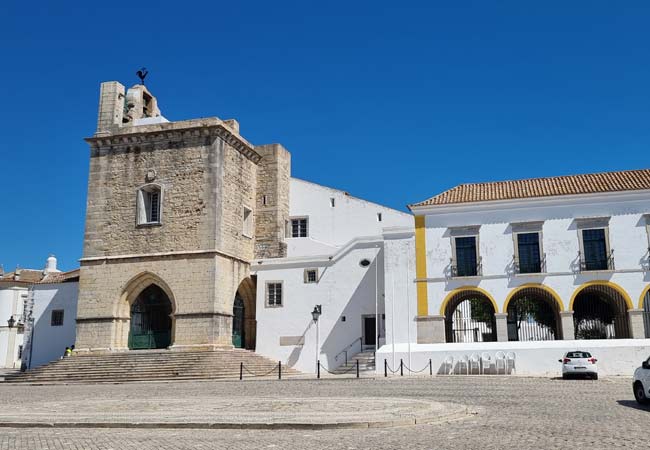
501 320
430 329
568 330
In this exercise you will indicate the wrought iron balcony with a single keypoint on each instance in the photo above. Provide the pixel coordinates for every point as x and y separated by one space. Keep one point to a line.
466 270
538 266
592 264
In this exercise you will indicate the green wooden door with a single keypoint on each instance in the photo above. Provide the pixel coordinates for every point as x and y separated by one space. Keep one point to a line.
150 320
238 323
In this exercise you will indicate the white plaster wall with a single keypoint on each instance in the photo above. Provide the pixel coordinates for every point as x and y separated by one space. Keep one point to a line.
344 289
50 342
627 234
401 296
331 227
615 356
11 304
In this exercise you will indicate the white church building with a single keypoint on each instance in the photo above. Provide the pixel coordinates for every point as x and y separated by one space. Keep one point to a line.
335 263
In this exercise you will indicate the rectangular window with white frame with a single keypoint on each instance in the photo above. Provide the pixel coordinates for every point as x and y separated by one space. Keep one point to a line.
466 261
274 293
311 276
149 205
595 250
299 227
528 250
247 222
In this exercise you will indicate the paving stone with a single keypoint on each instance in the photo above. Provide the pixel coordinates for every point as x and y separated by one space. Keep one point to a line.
513 412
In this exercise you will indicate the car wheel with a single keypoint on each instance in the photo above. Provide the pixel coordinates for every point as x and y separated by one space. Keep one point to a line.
565 376
595 377
639 393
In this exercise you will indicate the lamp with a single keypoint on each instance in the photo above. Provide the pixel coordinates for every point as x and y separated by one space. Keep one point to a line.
315 314
11 322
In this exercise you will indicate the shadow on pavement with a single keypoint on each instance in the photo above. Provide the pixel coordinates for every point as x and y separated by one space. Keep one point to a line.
633 404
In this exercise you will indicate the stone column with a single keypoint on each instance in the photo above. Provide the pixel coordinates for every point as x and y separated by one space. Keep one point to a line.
431 329
568 331
637 329
501 320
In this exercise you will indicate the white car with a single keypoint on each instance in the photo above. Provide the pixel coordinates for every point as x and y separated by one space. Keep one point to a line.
641 383
579 363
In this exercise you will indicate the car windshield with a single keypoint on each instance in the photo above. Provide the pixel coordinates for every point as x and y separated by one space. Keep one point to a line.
578 355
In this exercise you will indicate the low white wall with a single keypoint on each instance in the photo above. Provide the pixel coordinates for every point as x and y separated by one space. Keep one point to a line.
539 358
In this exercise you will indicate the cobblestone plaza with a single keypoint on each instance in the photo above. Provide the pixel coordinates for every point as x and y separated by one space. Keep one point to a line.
509 412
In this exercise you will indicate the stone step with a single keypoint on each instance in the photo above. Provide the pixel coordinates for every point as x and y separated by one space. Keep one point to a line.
158 365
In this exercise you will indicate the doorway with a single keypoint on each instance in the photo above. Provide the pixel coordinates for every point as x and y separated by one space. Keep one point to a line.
369 331
151 323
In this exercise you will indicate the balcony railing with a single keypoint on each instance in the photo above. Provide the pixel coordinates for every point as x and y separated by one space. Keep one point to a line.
529 266
466 270
604 263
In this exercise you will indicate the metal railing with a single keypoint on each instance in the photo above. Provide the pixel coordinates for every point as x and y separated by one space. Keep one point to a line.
466 270
531 267
345 350
605 263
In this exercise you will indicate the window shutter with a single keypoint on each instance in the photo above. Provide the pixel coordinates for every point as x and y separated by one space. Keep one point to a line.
141 210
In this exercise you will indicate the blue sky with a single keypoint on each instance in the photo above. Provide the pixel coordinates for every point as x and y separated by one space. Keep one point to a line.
393 102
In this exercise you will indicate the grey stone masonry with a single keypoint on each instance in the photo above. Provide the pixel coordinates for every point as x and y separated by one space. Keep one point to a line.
273 178
198 252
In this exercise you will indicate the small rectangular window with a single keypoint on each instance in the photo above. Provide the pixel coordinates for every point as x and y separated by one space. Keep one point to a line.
248 222
594 244
299 227
311 275
332 202
274 294
379 217
153 206
57 318
529 254
466 256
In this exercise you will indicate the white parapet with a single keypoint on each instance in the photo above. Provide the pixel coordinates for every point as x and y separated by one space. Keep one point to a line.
532 358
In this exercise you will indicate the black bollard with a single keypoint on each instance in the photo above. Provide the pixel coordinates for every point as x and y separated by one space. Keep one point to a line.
318 369
385 368
279 370
430 367
241 370
357 368
401 368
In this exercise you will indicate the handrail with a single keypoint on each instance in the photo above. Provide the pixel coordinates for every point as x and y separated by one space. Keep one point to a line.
345 350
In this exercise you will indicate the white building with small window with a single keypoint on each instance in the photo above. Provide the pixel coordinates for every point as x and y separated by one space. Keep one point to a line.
532 268
334 260
38 310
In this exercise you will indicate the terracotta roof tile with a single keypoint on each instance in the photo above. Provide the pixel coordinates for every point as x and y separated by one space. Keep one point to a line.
30 276
629 180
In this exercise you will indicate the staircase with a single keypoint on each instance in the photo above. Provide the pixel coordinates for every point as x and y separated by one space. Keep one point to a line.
151 365
366 364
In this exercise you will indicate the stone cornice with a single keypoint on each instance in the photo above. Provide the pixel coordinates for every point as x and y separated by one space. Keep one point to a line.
187 131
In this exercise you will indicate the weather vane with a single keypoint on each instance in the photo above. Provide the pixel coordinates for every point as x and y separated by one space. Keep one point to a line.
142 74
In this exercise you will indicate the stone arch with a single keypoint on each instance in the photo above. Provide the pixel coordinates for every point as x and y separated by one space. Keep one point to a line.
469 315
533 313
132 289
600 311
246 297
644 305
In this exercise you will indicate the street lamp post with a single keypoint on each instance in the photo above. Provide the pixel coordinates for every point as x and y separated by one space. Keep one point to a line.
315 315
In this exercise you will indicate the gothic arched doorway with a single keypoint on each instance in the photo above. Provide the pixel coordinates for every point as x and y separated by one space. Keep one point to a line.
151 323
244 324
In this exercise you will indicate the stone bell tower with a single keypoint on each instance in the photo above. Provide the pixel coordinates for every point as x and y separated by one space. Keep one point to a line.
175 213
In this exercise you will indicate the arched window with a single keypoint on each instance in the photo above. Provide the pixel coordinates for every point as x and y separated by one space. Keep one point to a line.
149 205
